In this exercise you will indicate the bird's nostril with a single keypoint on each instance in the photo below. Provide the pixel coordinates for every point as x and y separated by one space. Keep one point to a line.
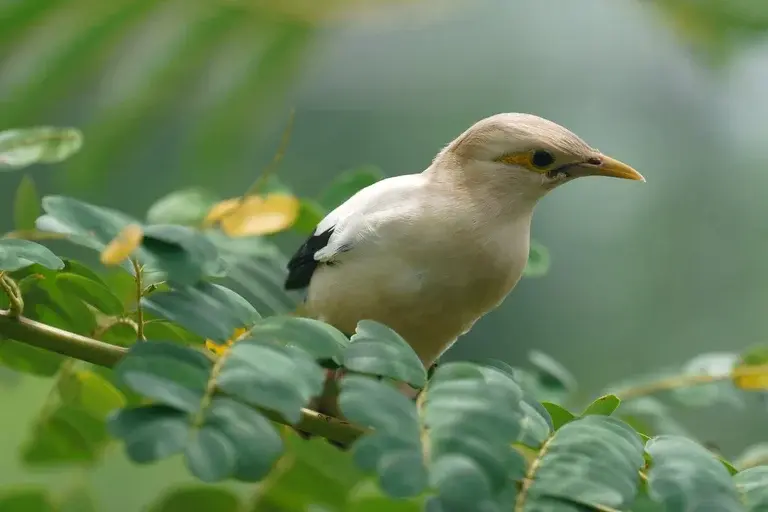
594 161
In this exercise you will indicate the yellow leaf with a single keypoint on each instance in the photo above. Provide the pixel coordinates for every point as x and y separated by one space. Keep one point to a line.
220 348
127 241
261 216
221 210
752 378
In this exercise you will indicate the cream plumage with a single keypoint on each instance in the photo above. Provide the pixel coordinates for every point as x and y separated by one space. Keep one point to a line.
428 254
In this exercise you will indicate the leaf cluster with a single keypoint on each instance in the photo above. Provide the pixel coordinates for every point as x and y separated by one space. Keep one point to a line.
183 344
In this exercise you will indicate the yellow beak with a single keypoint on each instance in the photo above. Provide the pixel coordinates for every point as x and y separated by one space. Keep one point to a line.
613 168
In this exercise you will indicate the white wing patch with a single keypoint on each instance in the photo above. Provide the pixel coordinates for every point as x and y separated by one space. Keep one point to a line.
356 221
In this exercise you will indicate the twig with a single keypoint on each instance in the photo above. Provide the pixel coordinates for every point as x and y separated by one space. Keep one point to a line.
273 165
97 352
15 299
139 294
683 381
530 474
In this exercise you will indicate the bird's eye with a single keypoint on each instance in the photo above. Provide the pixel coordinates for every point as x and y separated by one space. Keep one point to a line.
542 159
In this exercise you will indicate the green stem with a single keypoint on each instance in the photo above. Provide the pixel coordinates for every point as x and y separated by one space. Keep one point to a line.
60 341
139 293
11 289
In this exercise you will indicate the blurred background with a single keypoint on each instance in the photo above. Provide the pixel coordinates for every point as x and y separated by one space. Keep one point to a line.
171 94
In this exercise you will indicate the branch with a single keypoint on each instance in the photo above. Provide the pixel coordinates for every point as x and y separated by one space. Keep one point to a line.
93 351
684 381
57 340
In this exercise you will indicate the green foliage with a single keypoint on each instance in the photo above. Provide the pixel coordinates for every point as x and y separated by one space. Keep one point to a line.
17 254
26 205
214 366
685 476
377 350
21 148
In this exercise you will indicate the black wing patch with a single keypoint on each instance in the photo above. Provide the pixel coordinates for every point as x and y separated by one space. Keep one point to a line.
303 263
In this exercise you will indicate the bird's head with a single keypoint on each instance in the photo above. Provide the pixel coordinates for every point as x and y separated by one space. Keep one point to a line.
525 155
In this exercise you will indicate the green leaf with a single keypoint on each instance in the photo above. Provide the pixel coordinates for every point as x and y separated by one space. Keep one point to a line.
16 254
85 224
183 254
90 392
686 476
191 497
26 499
470 418
187 207
592 461
26 205
64 436
560 416
208 310
393 449
605 406
210 455
166 372
311 472
28 359
376 349
220 437
319 339
477 412
257 443
151 432
279 378
256 269
538 261
90 292
58 309
347 184
752 484
44 144
551 373
651 417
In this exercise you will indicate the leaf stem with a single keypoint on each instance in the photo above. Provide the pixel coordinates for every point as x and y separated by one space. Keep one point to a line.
522 496
11 289
683 381
86 349
139 294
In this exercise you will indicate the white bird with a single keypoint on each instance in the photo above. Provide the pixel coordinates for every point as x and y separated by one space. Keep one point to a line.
429 254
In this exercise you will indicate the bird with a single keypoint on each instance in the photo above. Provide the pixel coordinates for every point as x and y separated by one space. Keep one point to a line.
428 254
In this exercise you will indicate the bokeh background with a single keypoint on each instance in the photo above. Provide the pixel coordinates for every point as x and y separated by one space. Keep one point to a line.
177 93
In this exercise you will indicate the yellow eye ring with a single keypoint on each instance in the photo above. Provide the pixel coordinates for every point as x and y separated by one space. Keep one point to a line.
535 160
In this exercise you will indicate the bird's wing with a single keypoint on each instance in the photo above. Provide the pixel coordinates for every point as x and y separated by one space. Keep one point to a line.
352 224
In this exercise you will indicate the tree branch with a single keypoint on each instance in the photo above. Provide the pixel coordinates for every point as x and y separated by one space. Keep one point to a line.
97 352
684 381
57 340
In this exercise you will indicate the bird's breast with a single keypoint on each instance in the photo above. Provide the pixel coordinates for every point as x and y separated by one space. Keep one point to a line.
430 292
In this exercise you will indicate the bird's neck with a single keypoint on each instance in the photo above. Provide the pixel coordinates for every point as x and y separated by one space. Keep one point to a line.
491 196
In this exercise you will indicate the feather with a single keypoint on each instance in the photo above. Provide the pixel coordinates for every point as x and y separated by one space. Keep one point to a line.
302 264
